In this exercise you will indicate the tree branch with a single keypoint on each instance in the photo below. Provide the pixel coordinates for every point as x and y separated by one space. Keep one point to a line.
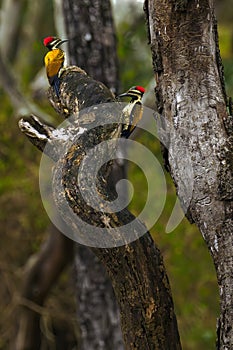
47 266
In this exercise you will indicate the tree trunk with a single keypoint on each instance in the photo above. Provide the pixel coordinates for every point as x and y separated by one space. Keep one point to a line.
9 33
92 46
191 98
136 269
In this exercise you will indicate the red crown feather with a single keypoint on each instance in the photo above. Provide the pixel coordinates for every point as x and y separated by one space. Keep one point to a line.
48 40
140 88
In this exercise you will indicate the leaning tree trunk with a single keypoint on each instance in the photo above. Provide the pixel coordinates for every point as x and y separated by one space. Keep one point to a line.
136 269
191 97
92 46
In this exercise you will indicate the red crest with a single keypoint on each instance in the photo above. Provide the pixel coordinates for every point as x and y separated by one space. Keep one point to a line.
48 40
140 88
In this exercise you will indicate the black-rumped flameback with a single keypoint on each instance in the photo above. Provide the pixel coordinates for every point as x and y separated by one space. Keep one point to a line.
54 61
132 113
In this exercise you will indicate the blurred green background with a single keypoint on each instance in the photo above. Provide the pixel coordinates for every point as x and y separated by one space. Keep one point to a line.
24 221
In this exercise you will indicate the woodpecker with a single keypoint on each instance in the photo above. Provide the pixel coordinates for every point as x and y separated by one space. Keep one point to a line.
132 113
54 60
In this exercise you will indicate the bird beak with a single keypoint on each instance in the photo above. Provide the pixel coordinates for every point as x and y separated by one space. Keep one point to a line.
123 95
62 41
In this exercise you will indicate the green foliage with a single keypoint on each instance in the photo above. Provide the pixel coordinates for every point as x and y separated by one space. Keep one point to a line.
22 217
225 32
133 50
19 174
225 41
226 49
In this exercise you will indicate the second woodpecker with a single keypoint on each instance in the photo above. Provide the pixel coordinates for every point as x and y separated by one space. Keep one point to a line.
54 61
132 113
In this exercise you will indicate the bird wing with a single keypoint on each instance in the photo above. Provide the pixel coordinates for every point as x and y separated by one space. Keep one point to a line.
132 115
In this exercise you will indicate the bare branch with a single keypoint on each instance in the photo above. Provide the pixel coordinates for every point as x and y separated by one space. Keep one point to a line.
56 253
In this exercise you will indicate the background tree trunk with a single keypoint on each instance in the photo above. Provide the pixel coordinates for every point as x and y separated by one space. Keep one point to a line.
97 309
191 97
92 46
9 33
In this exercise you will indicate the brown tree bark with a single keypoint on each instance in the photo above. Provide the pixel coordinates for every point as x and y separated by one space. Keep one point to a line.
191 98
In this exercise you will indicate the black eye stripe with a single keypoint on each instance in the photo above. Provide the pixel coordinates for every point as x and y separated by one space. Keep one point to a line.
56 42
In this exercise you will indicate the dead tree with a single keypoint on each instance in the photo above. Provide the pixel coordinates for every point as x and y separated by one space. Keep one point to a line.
191 97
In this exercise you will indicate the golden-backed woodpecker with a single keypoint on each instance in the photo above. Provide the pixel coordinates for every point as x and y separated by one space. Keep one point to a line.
132 113
54 60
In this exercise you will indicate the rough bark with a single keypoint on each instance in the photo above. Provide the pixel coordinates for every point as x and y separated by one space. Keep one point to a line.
98 312
92 46
136 270
191 97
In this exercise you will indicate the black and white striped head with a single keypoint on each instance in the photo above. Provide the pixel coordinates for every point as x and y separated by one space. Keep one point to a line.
51 42
135 92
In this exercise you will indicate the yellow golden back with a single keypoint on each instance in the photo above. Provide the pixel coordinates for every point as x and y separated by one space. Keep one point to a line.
54 60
